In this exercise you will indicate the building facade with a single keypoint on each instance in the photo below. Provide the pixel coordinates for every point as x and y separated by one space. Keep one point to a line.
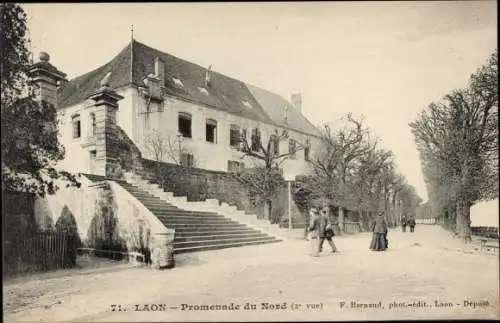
179 112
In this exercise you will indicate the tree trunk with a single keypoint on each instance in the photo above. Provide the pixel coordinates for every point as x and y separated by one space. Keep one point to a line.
386 209
463 220
458 217
268 208
341 219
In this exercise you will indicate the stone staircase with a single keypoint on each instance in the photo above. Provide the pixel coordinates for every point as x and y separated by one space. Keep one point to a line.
210 205
200 227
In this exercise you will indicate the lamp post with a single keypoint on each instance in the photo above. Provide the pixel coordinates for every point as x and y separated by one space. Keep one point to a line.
289 178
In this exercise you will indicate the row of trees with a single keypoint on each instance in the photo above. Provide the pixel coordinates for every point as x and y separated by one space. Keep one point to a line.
351 171
457 138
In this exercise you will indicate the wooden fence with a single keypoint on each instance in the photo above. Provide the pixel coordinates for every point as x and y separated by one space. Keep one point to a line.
352 227
426 221
43 251
487 232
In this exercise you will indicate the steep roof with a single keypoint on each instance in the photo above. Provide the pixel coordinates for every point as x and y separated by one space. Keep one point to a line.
277 107
81 87
224 93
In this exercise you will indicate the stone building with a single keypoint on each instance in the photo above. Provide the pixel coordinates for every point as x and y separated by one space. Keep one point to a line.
110 121
168 99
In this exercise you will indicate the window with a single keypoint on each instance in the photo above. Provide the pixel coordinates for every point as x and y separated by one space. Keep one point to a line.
185 124
292 148
234 166
211 131
203 90
93 127
177 82
275 144
256 141
77 126
307 150
187 160
234 135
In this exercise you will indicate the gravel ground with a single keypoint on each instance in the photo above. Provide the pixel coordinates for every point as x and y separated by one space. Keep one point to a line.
453 280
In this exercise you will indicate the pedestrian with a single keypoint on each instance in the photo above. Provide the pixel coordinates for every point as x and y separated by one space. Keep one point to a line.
321 226
411 224
404 222
310 234
379 228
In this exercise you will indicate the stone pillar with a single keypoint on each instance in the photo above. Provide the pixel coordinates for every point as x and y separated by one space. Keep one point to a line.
162 249
106 104
45 78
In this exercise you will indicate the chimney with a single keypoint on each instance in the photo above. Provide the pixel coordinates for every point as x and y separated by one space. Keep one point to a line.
160 69
46 78
208 76
297 102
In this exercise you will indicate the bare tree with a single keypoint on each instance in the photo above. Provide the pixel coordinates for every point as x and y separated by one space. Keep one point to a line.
263 181
164 148
337 159
458 143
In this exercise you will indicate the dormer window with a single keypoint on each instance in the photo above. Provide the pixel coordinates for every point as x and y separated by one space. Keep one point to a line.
178 82
247 104
203 90
77 126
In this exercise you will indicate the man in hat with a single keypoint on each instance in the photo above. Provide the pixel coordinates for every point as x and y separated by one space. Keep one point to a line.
322 226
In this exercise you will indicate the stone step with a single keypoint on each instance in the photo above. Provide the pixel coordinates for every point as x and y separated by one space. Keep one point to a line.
159 206
207 226
216 246
184 232
173 215
210 237
158 211
199 221
194 244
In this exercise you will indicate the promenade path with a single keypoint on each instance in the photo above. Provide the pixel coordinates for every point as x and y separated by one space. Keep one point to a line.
427 266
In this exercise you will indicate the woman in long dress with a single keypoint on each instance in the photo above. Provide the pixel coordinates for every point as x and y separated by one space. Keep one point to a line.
379 228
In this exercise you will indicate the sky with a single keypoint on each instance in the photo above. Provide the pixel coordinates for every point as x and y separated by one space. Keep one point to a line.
385 61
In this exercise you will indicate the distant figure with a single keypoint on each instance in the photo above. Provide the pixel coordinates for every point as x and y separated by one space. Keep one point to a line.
321 227
411 224
308 235
404 222
379 228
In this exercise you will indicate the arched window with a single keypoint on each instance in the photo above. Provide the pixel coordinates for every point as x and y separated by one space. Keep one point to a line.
77 126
